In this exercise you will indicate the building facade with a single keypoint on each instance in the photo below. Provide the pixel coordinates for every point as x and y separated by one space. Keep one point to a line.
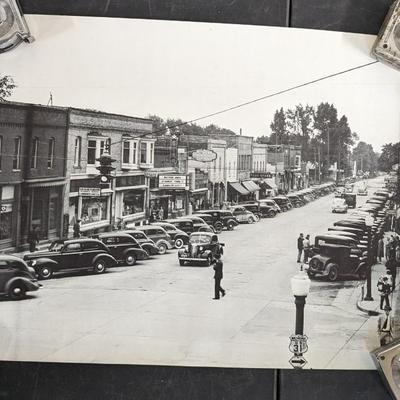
130 143
32 172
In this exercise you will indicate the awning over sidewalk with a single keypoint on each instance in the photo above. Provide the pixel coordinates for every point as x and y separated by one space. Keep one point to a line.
270 182
251 186
238 187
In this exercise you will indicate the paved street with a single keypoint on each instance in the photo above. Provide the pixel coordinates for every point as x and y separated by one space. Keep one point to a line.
159 313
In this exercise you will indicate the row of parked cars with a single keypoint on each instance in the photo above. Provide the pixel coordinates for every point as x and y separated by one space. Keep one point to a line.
343 249
195 237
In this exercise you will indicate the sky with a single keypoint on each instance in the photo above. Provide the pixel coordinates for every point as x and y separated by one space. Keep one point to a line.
187 70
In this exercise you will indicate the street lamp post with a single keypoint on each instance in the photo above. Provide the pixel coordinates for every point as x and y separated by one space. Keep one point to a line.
369 222
300 284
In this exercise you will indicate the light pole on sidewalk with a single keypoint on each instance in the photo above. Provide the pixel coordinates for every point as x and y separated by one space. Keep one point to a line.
369 221
300 284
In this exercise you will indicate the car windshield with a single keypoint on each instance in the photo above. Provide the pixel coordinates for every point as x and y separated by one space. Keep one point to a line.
201 239
56 246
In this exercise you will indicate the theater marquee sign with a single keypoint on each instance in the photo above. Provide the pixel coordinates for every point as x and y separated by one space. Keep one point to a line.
172 182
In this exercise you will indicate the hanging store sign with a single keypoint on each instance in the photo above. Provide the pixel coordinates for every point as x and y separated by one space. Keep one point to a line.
172 182
89 192
204 155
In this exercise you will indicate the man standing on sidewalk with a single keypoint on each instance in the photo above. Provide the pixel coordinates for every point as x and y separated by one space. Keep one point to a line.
306 248
384 289
391 265
385 327
299 247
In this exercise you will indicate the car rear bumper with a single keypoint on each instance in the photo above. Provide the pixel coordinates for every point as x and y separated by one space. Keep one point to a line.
192 259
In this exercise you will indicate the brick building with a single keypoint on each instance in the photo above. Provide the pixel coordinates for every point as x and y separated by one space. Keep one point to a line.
32 172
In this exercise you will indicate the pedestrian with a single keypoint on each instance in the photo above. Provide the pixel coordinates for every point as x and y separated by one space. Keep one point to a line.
387 248
120 224
33 238
381 247
299 247
218 275
391 265
385 327
77 228
306 248
384 289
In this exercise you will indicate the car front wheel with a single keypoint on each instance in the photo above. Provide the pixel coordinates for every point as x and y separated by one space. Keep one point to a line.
179 243
271 214
99 266
230 226
16 291
251 220
257 217
333 273
130 259
45 272
162 248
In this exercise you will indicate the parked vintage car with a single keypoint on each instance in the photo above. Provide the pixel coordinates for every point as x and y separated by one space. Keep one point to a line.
223 217
357 248
339 205
270 203
159 236
362 190
184 224
201 250
260 210
147 244
243 215
16 277
200 223
178 236
217 226
123 247
73 254
334 261
295 200
351 199
283 203
361 235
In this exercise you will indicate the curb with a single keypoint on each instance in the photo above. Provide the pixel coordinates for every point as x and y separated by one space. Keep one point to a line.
365 310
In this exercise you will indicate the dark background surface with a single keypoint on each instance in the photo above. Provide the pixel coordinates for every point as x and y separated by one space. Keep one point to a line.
116 382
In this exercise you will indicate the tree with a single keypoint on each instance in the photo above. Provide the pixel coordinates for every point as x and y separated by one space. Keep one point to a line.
365 157
390 155
278 128
7 86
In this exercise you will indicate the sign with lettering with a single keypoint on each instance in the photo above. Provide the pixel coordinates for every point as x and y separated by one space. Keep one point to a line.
172 182
204 155
261 175
89 192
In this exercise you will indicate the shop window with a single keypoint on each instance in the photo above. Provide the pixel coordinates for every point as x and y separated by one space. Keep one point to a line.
151 152
1 149
17 153
94 209
34 154
50 157
133 202
77 152
125 154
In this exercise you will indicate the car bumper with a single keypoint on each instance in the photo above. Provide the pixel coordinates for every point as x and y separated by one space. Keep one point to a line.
192 259
32 286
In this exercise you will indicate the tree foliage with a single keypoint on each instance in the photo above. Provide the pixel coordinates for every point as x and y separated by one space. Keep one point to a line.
7 86
161 126
389 156
365 157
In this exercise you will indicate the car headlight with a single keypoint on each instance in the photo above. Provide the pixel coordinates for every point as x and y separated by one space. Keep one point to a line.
33 263
201 248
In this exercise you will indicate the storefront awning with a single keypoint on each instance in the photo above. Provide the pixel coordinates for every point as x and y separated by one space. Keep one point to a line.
251 186
238 187
271 183
46 183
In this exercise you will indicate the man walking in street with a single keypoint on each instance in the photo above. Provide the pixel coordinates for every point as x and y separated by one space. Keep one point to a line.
385 327
299 247
218 275
306 248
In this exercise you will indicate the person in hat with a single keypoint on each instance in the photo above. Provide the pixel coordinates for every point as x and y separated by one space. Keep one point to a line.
384 289
218 265
33 238
385 327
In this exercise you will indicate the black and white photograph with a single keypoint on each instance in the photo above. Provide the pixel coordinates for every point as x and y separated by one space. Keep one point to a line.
196 194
